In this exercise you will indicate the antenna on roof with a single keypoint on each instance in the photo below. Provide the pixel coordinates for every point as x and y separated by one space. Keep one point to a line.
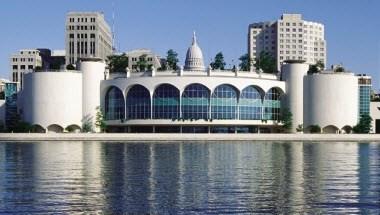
114 49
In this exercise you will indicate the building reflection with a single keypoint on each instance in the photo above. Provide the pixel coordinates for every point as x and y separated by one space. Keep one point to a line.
171 178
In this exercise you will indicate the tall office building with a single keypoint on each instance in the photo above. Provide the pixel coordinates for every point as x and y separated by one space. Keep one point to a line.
289 38
22 61
87 35
365 87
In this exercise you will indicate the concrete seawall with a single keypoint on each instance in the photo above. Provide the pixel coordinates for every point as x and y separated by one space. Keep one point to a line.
124 137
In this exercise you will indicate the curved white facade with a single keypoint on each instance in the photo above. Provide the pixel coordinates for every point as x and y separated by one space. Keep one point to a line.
239 81
52 98
331 101
293 74
93 74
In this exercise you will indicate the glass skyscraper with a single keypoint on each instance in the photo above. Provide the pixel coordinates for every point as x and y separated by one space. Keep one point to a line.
365 86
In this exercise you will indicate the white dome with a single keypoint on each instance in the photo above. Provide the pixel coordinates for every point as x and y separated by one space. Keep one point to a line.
194 57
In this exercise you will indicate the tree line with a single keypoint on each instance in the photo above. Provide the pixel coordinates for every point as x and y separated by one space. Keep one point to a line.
265 62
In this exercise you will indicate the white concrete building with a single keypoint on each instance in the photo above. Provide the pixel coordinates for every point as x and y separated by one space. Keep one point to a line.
289 38
87 35
195 100
375 115
331 101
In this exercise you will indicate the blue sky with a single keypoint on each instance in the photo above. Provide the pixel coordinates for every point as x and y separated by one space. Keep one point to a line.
352 27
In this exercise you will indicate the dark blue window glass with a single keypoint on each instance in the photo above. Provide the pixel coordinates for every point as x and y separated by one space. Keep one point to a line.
138 103
224 101
272 104
114 104
250 104
166 102
195 102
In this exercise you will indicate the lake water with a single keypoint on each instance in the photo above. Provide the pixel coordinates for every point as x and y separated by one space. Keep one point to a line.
189 178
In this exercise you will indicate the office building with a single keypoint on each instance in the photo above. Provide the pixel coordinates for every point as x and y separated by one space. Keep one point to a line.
288 38
365 88
87 35
145 55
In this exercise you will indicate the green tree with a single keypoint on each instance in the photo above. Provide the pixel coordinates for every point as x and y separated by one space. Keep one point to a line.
172 59
339 69
117 63
266 62
19 126
70 67
38 69
299 128
245 62
286 119
87 124
142 64
364 125
316 68
315 129
99 120
218 61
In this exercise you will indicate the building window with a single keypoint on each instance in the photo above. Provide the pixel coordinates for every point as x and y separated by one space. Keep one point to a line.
166 102
195 102
14 67
114 104
22 67
30 66
250 104
224 102
272 104
138 103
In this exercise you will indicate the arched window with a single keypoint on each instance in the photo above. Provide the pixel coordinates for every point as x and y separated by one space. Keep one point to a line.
138 103
166 102
250 104
272 104
195 102
224 101
114 104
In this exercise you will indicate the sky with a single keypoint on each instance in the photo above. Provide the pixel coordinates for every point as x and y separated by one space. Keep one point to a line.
352 27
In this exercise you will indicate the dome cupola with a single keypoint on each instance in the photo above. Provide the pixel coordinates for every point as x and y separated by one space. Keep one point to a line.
194 57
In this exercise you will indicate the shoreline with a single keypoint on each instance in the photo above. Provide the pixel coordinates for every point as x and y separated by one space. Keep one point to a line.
174 137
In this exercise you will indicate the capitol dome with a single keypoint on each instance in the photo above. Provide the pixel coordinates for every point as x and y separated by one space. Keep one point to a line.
194 57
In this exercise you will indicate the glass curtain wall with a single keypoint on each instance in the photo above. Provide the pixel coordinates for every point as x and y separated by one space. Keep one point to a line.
272 104
114 104
195 102
224 102
138 103
166 102
250 104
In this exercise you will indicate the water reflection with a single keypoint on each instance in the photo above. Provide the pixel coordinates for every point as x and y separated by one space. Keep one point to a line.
186 178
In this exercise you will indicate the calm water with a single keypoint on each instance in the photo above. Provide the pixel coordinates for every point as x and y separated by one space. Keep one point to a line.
189 178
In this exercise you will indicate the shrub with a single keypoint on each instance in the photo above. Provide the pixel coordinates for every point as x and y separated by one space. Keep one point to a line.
315 129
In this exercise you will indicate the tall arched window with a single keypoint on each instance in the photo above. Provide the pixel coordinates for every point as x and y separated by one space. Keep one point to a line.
250 104
114 104
138 103
224 102
272 104
195 102
166 102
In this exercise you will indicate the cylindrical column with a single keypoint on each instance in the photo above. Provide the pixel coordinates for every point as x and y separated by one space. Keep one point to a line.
293 73
93 73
